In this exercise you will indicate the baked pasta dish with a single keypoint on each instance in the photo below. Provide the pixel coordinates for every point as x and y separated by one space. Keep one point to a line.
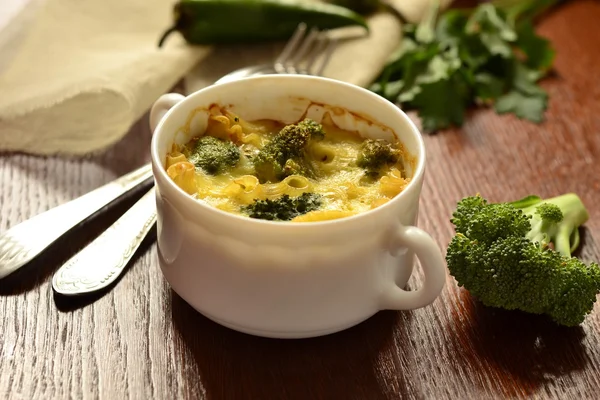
303 172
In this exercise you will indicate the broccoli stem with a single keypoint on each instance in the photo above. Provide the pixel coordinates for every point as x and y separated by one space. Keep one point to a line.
575 240
562 242
574 215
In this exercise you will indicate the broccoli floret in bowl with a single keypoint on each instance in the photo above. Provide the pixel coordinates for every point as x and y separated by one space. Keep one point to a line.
214 155
375 154
285 154
284 208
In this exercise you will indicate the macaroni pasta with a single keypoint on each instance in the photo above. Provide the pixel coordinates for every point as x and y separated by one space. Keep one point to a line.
343 187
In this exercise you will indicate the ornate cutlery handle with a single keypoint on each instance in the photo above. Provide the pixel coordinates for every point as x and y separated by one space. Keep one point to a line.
102 261
23 242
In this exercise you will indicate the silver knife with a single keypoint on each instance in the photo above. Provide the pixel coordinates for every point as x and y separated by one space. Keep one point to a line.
24 241
101 262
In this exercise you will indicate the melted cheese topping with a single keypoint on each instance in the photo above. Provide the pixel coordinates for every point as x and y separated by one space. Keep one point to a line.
344 187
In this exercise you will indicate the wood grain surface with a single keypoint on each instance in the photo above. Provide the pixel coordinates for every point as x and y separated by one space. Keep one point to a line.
139 340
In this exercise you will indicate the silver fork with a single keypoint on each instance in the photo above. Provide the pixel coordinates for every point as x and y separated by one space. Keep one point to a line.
299 56
93 268
306 48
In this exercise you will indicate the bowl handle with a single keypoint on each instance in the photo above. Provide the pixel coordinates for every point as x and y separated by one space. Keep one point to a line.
162 106
432 262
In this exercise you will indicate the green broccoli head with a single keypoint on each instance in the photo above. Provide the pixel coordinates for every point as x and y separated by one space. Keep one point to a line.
284 155
550 213
494 257
214 155
374 154
473 215
284 208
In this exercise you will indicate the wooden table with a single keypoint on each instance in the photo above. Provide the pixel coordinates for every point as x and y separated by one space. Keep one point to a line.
141 341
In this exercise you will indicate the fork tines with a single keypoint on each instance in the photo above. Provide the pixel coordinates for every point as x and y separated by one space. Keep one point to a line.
302 51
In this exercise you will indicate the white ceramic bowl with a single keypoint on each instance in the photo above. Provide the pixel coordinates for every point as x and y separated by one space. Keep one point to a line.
284 279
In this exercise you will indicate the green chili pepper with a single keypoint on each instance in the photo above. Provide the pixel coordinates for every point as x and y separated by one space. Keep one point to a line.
363 7
251 21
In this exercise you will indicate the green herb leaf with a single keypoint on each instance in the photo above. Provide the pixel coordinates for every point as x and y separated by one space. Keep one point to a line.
523 105
525 80
537 50
488 87
489 19
393 89
425 32
493 29
487 56
450 28
525 99
442 103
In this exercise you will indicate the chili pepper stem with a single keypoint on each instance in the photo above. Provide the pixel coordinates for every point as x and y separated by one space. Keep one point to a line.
167 33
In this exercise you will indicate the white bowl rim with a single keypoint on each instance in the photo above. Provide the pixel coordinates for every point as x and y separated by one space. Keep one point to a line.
186 198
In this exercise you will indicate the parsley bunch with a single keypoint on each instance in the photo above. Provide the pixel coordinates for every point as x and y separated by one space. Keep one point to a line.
489 55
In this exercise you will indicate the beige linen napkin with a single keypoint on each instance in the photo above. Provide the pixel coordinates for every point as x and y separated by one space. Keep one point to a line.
87 70
358 61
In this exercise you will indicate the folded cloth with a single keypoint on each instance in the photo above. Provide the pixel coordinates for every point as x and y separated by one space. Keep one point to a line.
357 60
88 70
